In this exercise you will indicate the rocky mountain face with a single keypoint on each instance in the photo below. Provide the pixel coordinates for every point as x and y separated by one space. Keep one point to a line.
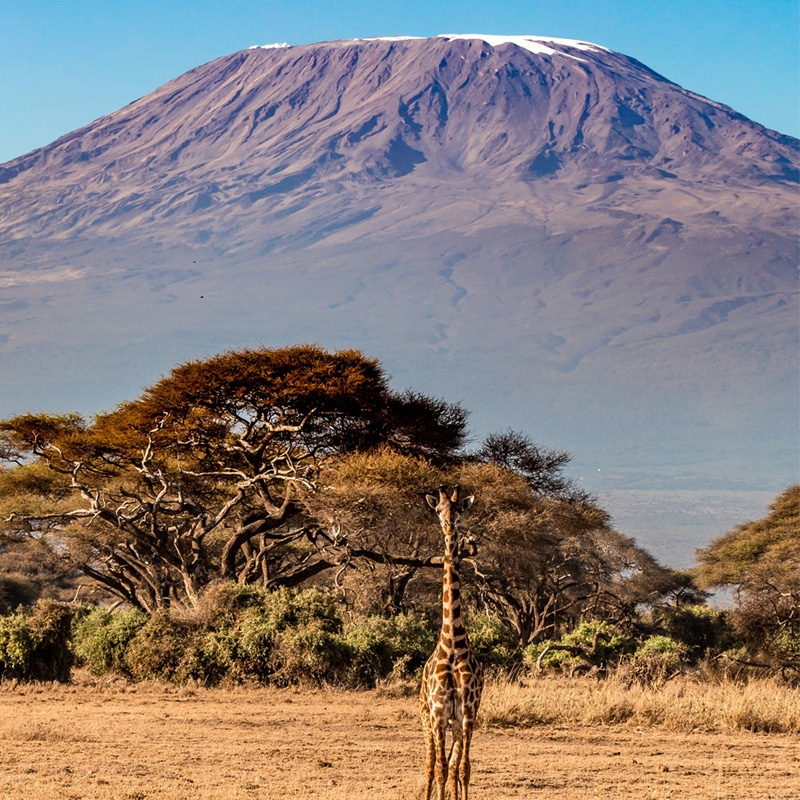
548 231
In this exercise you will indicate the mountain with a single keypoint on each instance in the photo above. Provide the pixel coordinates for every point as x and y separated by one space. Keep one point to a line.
547 230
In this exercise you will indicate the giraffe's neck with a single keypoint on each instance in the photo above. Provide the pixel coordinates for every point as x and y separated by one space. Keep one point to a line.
453 634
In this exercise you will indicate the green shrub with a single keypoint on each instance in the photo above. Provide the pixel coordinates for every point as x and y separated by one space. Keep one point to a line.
308 653
100 638
704 630
785 646
253 639
235 634
209 657
655 661
159 647
35 644
409 637
591 647
225 601
493 643
246 633
369 657
16 642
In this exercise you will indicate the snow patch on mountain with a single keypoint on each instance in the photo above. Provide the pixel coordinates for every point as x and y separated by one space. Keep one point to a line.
387 39
535 44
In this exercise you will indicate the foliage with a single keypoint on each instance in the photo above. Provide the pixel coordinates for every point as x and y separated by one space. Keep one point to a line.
410 638
656 660
100 638
34 644
761 561
591 647
494 644
704 631
246 634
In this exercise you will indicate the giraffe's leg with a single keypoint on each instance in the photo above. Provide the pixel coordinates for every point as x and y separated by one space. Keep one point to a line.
441 760
455 758
430 754
466 767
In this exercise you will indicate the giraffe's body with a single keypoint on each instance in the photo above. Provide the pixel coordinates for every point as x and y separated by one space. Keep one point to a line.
452 680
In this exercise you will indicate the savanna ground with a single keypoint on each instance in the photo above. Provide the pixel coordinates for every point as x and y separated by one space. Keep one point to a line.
547 740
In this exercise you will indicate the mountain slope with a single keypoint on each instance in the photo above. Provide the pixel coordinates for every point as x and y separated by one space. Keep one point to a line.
547 230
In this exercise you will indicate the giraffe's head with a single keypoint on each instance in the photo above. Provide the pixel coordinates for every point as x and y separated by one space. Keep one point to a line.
449 508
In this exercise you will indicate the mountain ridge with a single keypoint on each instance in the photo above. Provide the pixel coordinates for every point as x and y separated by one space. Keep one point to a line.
568 242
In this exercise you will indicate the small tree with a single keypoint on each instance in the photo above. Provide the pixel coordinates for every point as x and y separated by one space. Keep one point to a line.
761 561
547 562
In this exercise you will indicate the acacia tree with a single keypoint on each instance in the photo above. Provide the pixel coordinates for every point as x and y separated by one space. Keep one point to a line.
371 505
540 562
761 561
202 477
545 563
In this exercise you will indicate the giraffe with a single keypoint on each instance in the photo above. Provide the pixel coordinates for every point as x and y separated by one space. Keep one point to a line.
452 680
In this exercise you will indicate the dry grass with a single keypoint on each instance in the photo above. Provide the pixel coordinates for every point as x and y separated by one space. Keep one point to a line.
113 741
681 705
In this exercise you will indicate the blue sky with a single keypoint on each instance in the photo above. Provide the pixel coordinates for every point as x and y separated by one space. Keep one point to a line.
64 63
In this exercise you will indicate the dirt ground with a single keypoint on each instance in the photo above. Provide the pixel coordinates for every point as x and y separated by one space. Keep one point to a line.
137 743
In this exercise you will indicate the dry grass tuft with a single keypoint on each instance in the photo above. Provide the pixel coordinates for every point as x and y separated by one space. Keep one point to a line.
681 705
52 732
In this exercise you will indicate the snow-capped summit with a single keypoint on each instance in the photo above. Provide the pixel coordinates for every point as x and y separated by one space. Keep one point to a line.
542 45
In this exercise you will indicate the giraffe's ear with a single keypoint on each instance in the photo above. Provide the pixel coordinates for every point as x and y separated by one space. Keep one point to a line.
432 501
467 502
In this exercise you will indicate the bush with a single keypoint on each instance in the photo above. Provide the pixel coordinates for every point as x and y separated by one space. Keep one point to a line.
704 630
308 653
785 646
369 657
591 647
100 638
235 634
158 649
655 661
34 645
245 633
493 643
410 639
